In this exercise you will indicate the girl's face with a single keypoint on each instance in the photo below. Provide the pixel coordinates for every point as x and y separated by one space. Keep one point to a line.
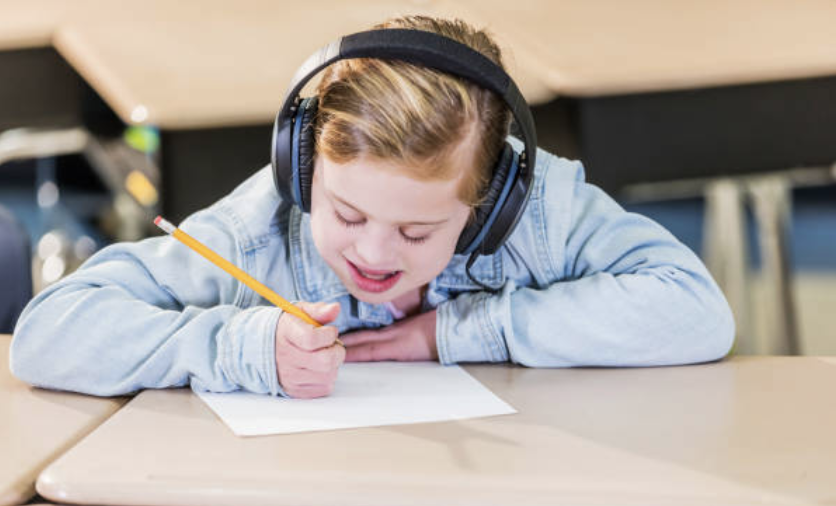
383 233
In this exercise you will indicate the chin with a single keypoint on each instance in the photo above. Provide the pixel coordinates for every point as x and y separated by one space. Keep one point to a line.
371 298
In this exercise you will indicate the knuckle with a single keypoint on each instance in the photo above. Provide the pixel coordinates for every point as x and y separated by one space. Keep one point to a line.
325 336
305 340
328 360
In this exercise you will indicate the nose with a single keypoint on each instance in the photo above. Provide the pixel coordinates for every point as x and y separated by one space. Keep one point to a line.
375 247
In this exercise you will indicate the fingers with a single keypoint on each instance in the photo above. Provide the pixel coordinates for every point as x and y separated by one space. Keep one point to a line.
409 339
310 391
361 353
359 337
323 313
307 358
305 374
309 338
319 361
306 384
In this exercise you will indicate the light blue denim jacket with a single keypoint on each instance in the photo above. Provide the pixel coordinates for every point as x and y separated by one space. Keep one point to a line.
580 282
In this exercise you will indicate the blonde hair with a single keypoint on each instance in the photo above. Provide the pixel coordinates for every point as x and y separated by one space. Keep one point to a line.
420 117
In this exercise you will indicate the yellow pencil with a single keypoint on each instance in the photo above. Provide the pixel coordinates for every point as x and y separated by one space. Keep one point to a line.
237 273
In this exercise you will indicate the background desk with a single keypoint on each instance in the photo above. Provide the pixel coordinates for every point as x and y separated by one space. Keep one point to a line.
37 426
745 431
39 88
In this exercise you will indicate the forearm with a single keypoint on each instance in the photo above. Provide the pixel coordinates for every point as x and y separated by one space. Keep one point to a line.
657 316
101 340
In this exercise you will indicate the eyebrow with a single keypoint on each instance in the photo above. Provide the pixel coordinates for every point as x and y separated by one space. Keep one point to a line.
355 208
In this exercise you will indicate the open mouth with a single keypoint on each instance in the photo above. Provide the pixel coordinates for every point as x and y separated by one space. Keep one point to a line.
375 281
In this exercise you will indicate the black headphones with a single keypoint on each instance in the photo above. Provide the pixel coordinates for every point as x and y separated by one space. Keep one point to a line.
510 187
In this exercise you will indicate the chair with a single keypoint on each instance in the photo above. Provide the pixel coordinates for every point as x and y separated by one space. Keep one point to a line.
15 270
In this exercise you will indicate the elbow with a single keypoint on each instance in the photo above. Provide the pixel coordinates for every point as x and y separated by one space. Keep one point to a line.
29 359
719 330
726 330
724 333
21 363
23 356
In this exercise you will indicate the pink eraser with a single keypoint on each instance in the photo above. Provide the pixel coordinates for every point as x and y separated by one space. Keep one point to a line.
157 220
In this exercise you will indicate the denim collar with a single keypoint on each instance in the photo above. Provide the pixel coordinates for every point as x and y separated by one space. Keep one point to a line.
315 281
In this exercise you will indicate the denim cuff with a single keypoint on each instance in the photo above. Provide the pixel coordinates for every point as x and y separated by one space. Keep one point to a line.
466 331
249 355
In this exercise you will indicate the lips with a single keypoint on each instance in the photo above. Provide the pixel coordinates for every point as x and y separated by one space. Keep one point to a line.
372 280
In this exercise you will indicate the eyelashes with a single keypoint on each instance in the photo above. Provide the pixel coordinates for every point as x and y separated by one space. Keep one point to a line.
413 240
352 224
347 223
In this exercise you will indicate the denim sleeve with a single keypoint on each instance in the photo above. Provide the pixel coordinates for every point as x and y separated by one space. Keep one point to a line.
616 289
151 314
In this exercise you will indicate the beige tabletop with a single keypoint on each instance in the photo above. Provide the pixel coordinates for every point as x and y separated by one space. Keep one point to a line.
606 47
158 62
26 24
38 426
31 23
744 431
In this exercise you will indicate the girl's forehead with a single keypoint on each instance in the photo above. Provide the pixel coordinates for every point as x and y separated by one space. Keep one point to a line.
379 187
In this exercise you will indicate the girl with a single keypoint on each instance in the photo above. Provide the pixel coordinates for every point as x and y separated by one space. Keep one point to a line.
395 171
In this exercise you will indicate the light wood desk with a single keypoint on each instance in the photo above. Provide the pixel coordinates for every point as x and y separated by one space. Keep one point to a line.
31 23
745 431
158 63
38 88
600 47
36 426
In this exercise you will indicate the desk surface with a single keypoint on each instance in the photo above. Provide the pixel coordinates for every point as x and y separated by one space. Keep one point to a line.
601 47
744 431
38 426
31 23
156 62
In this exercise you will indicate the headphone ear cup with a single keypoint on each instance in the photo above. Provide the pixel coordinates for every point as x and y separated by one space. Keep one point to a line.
475 232
305 147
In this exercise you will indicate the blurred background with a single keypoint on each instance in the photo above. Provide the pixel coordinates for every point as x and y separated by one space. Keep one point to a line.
715 118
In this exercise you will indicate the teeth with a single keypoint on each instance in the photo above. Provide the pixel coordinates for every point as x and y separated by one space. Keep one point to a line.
376 277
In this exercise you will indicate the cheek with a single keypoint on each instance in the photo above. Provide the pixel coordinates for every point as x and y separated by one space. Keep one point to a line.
329 236
430 260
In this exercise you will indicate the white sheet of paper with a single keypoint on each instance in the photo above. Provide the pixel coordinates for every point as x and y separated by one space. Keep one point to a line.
365 395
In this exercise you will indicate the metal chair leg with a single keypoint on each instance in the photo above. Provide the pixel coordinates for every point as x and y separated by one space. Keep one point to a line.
772 203
726 253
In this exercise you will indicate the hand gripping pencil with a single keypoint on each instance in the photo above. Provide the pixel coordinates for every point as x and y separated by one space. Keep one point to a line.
237 273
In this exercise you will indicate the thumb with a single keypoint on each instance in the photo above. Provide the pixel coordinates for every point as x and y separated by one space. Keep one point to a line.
320 311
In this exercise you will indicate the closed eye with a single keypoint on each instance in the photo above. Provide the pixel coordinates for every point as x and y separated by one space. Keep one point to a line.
346 222
413 240
351 224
